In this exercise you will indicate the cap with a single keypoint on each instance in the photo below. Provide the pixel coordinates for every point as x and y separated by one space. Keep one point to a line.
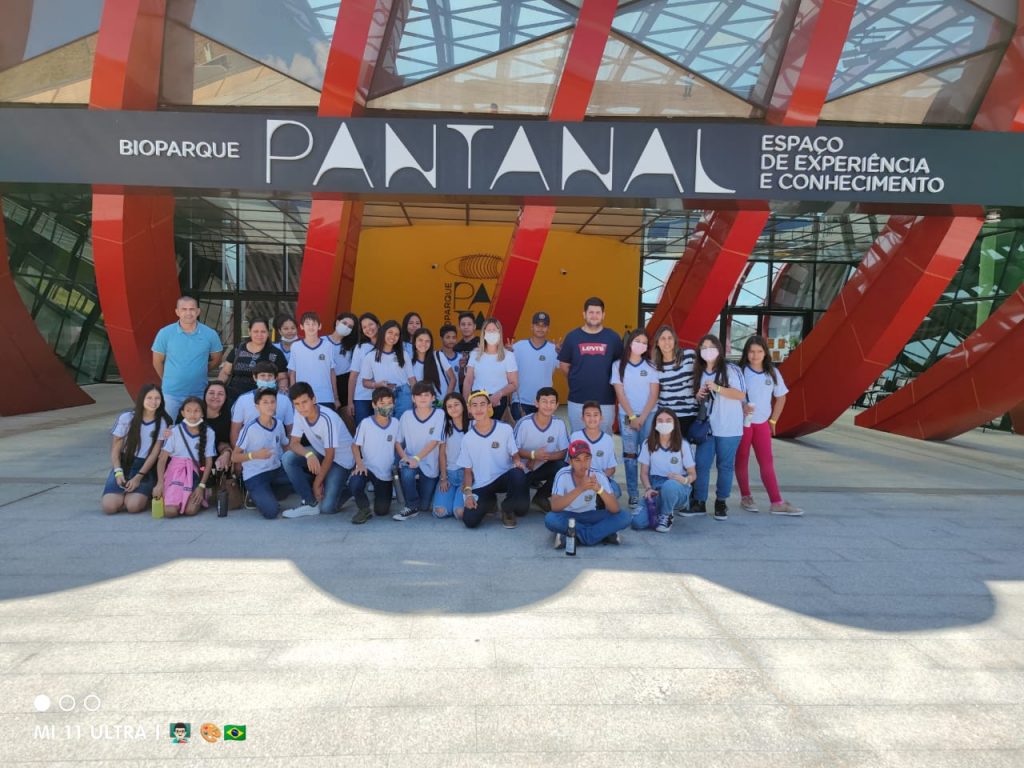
542 318
578 448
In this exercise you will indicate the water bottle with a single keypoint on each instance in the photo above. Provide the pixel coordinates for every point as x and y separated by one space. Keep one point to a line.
158 508
222 497
570 538
748 419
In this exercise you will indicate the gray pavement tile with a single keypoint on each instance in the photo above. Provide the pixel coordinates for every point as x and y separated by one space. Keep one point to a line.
710 653
837 652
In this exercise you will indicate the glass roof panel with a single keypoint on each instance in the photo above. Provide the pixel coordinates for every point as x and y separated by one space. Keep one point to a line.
62 76
892 38
728 42
441 35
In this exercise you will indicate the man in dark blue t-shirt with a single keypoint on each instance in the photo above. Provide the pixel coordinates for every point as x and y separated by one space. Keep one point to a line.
586 359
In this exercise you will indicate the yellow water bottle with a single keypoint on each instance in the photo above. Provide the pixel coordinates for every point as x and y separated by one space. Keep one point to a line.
158 508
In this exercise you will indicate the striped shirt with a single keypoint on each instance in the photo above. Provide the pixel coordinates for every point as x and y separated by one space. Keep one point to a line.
677 386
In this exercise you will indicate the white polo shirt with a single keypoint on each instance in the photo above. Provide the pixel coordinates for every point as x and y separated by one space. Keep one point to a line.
244 410
124 423
602 450
181 440
489 455
385 369
760 391
452 449
585 502
378 445
536 368
255 437
726 415
360 392
315 366
530 437
326 431
636 382
342 358
663 462
415 434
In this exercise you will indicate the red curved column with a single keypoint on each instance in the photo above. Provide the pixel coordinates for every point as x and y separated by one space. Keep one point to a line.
975 382
717 252
970 386
575 85
332 240
900 278
133 232
42 382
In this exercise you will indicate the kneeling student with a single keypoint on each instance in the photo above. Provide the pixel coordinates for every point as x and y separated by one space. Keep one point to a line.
542 440
327 459
186 462
490 461
374 447
667 472
602 448
575 494
138 436
258 449
420 432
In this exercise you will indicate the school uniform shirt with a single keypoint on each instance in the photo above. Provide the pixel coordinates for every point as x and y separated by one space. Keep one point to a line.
417 367
602 450
488 455
590 357
450 364
676 382
536 368
760 391
385 369
530 437
244 410
663 462
326 431
342 358
362 350
287 352
255 437
490 373
452 448
415 434
636 382
726 415
181 441
378 445
123 423
315 366
586 501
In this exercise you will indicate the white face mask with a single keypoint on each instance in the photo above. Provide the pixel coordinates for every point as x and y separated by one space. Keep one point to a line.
342 329
638 347
709 354
664 427
492 337
289 339
192 424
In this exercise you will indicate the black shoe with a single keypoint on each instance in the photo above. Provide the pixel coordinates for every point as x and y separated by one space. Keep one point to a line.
695 509
543 503
612 538
721 510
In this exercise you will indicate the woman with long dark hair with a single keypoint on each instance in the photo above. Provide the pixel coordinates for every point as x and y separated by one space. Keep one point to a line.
675 367
448 497
636 388
138 437
428 365
359 397
411 323
766 397
287 332
666 472
237 371
721 387
387 366
218 418
344 340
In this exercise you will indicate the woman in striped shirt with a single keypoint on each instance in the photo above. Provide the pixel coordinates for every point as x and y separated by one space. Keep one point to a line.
675 376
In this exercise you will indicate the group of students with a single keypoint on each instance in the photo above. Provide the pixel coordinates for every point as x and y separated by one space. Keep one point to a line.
328 417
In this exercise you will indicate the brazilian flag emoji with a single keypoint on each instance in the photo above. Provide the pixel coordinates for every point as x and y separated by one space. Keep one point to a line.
234 733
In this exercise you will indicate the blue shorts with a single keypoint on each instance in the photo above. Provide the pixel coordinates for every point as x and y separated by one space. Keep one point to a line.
145 487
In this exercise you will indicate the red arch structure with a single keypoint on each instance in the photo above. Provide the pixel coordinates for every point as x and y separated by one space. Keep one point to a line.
332 240
132 231
575 85
974 383
895 287
717 252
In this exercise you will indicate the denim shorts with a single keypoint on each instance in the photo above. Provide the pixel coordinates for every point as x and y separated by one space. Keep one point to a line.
145 487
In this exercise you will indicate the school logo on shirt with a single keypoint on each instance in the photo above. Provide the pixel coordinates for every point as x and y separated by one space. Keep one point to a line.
431 431
593 348
675 460
643 372
389 438
494 444
323 357
551 438
767 381
600 454
542 358
589 497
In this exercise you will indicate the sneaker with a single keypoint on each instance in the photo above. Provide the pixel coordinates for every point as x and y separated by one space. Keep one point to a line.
405 514
559 541
362 516
721 510
304 511
612 538
748 504
696 509
508 519
785 508
664 523
633 502
543 503
249 503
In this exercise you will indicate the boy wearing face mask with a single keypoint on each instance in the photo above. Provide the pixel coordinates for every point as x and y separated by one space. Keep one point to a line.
376 442
244 410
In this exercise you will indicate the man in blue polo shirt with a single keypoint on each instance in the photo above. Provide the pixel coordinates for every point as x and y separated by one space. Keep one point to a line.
183 354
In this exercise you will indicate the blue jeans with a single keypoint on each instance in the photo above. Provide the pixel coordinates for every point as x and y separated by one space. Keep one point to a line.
631 442
417 487
723 451
381 492
336 490
591 527
266 488
403 400
452 499
672 495
362 409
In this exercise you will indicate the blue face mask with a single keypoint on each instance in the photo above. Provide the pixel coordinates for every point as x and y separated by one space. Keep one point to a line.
260 384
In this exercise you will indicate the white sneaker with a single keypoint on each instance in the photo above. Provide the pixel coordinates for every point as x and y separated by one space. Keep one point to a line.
785 508
304 511
405 514
559 541
748 504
